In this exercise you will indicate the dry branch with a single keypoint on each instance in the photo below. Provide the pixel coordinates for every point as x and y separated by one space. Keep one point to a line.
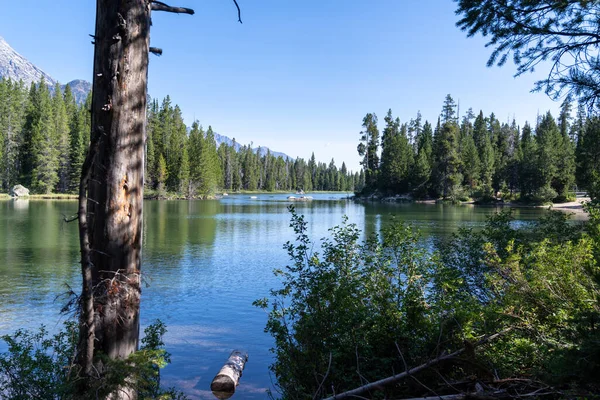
239 11
398 377
156 51
160 6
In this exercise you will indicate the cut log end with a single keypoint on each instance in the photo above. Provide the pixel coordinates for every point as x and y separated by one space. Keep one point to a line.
224 384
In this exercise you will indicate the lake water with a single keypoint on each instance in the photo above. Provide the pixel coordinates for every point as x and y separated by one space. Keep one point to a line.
204 263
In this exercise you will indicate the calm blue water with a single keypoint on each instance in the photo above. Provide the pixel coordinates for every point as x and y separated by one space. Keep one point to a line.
205 262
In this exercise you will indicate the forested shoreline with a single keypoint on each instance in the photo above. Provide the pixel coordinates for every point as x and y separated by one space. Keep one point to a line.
44 138
480 157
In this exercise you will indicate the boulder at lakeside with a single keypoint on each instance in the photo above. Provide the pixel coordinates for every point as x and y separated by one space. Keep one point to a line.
19 191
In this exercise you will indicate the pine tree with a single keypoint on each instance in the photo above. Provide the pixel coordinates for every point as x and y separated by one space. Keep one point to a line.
514 159
422 167
344 184
195 147
44 154
485 150
447 161
528 179
564 180
470 161
177 140
368 147
396 157
210 162
415 129
589 158
61 138
449 110
151 148
13 105
78 127
549 142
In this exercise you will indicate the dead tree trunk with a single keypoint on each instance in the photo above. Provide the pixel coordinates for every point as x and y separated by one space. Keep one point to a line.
111 191
112 184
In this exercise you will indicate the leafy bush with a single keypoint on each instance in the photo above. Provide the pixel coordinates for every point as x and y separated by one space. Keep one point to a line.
361 310
543 195
38 365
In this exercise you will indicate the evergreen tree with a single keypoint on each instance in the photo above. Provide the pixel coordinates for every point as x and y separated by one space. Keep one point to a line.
195 148
79 128
151 160
368 147
549 143
589 158
422 167
177 140
578 132
396 157
210 163
415 129
449 110
61 139
528 179
43 155
469 161
447 161
564 180
184 173
13 105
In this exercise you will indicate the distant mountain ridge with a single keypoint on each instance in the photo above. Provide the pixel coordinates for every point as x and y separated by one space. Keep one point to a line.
263 150
16 67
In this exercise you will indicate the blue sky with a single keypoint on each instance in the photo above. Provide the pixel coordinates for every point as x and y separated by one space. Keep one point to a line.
296 76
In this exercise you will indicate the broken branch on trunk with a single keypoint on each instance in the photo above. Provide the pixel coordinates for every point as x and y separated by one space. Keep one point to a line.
160 6
398 377
156 51
239 11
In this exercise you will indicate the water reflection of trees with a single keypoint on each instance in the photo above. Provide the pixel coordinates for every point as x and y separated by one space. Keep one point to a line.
38 255
177 233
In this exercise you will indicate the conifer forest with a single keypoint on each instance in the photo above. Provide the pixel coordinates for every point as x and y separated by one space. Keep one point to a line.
44 138
480 157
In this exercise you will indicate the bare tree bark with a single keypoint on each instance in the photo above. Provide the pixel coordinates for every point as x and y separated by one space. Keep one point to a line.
112 184
111 191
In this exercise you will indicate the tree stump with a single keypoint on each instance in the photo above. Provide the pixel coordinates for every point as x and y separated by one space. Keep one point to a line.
224 384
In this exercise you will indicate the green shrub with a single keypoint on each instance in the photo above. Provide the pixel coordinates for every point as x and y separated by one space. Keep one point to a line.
38 365
543 195
356 311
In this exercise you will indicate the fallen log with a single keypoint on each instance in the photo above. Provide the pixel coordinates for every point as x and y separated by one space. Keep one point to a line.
398 377
225 382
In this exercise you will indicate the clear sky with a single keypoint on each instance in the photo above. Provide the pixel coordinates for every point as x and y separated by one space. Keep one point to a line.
298 75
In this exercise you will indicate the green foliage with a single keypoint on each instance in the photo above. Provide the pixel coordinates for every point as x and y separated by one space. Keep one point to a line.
533 31
368 149
38 365
340 314
447 162
361 310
